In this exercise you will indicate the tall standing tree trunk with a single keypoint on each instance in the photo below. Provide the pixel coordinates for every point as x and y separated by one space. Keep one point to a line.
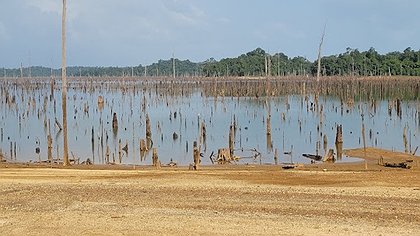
318 74
64 84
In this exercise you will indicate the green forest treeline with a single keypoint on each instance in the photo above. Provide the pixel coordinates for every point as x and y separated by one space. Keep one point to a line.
254 63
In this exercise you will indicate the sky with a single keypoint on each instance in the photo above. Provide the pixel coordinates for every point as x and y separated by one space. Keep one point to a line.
134 32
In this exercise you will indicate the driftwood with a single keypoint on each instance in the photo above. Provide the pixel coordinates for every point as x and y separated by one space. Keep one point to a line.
172 163
313 157
288 166
125 148
415 150
87 162
224 156
211 157
58 124
403 165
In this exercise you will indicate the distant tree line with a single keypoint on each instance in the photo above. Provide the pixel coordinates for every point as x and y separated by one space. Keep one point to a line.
254 63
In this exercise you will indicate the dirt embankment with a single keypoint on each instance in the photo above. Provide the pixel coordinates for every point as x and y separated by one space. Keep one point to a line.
217 200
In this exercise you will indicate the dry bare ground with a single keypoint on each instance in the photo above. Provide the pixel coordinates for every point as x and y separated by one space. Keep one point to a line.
249 200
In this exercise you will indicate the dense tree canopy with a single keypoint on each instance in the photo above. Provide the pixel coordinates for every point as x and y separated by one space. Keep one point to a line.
255 63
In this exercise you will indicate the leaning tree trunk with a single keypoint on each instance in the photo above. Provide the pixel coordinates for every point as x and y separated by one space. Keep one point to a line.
64 84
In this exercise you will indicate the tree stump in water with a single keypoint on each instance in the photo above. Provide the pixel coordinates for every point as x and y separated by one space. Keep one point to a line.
329 157
339 135
114 122
399 108
148 133
49 141
143 147
231 140
155 158
107 154
223 156
100 103
119 151
148 127
196 156
276 156
269 124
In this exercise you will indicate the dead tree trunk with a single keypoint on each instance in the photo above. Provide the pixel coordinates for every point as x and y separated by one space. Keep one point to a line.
318 72
196 156
49 142
148 132
155 158
114 122
64 85
107 154
276 156
231 139
405 140
339 134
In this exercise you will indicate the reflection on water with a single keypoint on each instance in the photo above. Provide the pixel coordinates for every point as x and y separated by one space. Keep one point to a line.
123 124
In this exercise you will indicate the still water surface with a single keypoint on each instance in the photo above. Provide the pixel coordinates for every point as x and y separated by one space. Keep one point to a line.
297 125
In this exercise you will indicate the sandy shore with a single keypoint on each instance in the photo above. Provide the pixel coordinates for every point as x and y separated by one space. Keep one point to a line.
344 199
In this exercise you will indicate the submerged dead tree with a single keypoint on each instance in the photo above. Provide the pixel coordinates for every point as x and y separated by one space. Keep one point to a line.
196 156
318 72
339 134
338 142
148 132
231 139
114 122
49 142
155 158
